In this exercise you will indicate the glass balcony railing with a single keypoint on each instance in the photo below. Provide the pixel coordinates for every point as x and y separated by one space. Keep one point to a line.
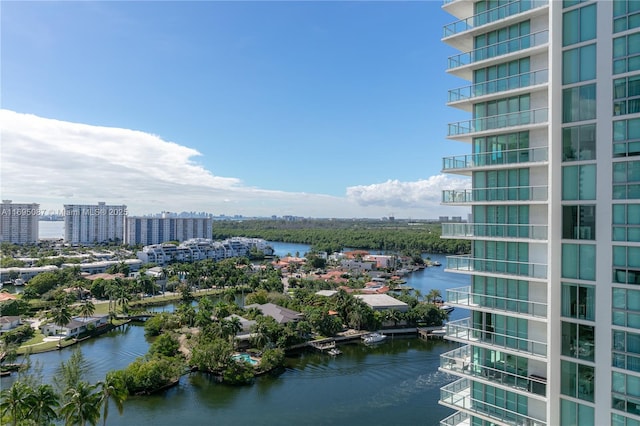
498 49
459 395
459 361
496 158
493 266
456 419
464 297
462 330
493 230
501 121
491 15
499 85
489 195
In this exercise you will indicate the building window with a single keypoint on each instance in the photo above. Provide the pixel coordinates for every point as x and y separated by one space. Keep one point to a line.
512 221
626 137
579 25
502 41
579 103
626 180
579 143
579 261
626 222
626 307
626 15
626 265
572 413
579 222
579 182
501 149
501 257
578 341
626 53
626 95
501 77
501 293
625 392
578 301
502 185
577 380
579 64
626 350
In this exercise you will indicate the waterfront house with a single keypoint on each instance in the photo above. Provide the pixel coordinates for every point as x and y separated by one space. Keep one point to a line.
382 302
280 314
8 323
74 327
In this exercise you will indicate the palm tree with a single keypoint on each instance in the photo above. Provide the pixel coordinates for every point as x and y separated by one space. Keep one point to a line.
61 317
87 309
113 389
83 405
43 402
14 402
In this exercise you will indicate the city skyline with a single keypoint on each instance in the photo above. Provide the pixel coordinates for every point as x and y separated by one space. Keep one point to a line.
325 110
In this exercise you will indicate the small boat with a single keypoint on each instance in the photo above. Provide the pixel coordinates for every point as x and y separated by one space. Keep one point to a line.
448 309
334 351
18 282
439 332
436 263
373 338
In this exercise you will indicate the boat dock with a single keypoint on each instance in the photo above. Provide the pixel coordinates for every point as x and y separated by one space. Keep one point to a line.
427 333
323 345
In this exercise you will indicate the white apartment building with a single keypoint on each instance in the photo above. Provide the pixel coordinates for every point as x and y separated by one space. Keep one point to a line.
553 95
19 222
94 223
202 248
157 230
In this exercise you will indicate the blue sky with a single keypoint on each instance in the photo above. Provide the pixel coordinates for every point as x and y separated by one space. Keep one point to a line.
324 109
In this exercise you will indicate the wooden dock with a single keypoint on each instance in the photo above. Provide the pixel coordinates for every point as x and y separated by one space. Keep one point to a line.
323 345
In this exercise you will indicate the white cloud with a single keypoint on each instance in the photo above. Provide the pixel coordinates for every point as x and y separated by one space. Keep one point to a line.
393 193
54 162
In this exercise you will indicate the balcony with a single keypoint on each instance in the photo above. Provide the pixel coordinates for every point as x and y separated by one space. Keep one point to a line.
491 15
462 296
495 195
457 419
499 85
470 264
458 361
498 49
458 396
501 122
462 331
497 158
466 231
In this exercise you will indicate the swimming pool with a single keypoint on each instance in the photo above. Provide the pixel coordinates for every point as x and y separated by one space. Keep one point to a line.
244 357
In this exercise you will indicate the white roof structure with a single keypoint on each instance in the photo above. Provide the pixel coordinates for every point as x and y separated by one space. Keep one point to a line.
380 302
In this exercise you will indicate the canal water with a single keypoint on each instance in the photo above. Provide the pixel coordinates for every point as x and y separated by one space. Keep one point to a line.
394 383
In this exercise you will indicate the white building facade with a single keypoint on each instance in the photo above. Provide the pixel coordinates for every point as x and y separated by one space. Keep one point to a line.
19 222
157 230
553 92
94 223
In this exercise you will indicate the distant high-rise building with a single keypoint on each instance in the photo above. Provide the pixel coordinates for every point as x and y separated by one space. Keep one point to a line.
553 93
19 222
94 223
157 230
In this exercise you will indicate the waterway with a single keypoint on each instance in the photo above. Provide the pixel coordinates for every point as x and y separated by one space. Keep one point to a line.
396 382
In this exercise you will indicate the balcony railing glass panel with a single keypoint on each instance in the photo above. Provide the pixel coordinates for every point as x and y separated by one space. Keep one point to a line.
463 330
458 394
499 85
459 361
511 193
496 158
512 119
491 15
463 296
498 49
494 230
493 266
